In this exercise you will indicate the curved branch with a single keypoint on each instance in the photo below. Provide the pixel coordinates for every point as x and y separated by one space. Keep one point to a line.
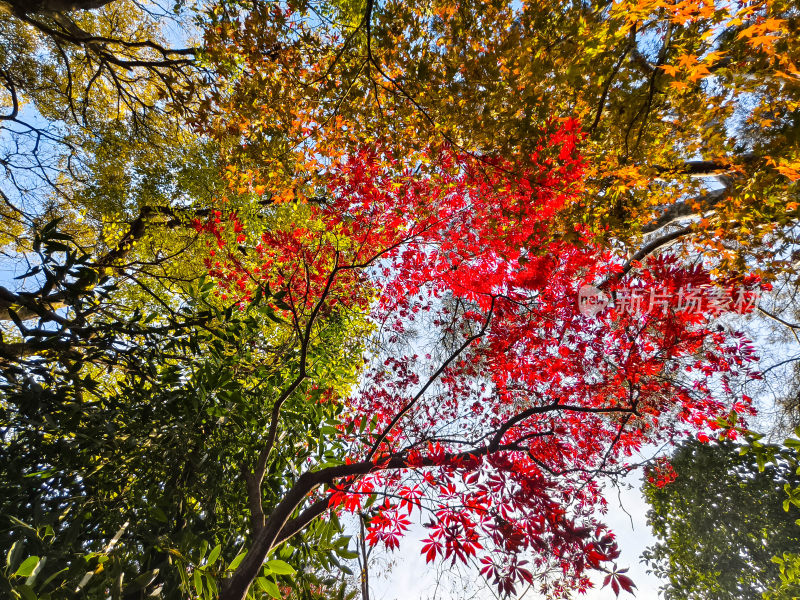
382 437
14 100
646 251
25 7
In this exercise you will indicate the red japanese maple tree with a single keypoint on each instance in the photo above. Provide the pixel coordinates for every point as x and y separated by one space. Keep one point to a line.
490 401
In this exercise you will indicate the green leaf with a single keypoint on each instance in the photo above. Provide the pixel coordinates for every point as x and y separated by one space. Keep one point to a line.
26 592
56 247
761 462
269 587
275 318
51 225
27 567
31 580
214 555
142 581
211 584
198 582
235 562
52 577
59 236
15 548
282 305
280 568
346 554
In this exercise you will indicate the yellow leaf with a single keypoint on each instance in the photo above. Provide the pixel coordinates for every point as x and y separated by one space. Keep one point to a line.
687 60
791 173
774 24
698 72
669 70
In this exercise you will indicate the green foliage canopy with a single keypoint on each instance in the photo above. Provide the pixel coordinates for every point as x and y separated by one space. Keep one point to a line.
719 524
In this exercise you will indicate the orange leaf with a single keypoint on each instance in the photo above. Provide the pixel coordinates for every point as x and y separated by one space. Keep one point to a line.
669 70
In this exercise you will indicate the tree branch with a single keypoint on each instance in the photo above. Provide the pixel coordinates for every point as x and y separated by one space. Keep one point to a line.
14 100
279 526
680 210
382 437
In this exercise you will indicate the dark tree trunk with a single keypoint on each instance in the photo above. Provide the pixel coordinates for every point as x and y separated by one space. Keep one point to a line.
42 6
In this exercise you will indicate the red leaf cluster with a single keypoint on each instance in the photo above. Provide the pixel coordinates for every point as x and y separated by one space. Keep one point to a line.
496 404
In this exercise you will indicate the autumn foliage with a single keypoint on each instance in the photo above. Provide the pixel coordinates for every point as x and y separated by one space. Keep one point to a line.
332 261
487 400
688 104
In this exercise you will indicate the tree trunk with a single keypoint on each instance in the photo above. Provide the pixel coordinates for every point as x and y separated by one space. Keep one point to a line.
363 556
238 584
42 6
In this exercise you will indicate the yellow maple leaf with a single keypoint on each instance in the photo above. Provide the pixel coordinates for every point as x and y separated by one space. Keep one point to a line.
784 75
749 32
773 24
714 56
765 41
698 72
789 172
687 60
669 69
